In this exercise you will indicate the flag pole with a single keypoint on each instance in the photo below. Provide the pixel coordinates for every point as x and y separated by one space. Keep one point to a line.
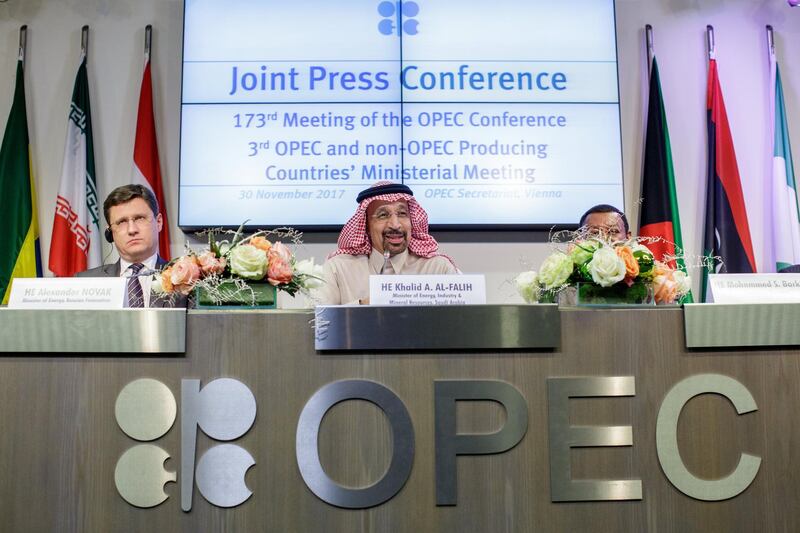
770 41
648 45
148 41
146 167
651 52
712 48
23 42
85 41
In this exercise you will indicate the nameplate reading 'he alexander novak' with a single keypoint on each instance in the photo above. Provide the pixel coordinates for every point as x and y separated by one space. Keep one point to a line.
754 288
428 290
67 293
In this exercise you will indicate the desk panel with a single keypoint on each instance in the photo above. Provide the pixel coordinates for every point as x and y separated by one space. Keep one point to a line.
60 442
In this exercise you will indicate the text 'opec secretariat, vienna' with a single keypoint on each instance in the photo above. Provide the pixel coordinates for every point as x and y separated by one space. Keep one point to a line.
225 410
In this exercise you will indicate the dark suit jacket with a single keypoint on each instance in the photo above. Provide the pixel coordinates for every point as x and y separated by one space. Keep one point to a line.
112 271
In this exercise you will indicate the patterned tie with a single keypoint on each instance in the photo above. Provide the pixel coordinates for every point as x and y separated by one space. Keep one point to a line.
135 293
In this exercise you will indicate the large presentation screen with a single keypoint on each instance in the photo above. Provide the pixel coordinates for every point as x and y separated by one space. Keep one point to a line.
500 114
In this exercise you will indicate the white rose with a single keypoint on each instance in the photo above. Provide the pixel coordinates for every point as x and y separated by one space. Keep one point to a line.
527 284
307 267
555 270
606 267
248 262
583 251
157 286
684 282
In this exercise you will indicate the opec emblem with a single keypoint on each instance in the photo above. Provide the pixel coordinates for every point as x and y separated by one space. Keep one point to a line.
224 410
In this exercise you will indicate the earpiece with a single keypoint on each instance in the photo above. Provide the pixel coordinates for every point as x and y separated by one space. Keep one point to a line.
109 235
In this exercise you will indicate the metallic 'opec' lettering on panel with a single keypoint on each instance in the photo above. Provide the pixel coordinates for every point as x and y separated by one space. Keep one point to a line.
307 448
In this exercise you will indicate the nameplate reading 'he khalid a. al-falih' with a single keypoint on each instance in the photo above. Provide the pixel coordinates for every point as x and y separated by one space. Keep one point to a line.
754 288
428 290
67 293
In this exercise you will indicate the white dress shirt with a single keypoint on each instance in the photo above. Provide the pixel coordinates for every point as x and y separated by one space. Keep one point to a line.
145 281
347 276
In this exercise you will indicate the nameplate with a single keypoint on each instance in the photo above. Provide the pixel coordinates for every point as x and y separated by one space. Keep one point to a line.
67 293
754 288
428 290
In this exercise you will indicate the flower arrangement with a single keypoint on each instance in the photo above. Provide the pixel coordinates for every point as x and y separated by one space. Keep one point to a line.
624 271
231 271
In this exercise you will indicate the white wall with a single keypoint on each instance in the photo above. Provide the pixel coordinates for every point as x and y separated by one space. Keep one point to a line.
115 61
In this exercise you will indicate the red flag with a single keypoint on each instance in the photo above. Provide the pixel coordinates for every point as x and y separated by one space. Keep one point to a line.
146 169
727 244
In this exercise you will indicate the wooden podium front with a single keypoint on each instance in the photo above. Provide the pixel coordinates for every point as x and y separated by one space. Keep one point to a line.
61 441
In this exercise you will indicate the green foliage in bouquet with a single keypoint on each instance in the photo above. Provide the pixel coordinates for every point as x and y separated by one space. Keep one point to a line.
622 272
245 270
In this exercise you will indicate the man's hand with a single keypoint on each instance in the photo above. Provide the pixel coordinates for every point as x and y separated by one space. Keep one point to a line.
363 301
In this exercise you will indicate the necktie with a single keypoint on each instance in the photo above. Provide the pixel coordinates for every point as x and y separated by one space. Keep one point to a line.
387 267
135 293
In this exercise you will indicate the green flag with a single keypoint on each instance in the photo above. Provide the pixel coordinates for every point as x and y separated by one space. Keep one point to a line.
659 216
785 242
19 228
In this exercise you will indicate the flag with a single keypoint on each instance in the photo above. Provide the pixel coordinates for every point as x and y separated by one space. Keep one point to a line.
726 245
19 228
658 216
785 245
146 169
75 244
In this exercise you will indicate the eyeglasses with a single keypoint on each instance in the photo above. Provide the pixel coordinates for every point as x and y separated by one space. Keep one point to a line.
139 221
386 215
612 231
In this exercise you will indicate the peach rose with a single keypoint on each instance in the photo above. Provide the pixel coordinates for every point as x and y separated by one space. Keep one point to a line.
211 264
631 266
166 280
185 273
664 285
280 264
279 250
261 243
661 269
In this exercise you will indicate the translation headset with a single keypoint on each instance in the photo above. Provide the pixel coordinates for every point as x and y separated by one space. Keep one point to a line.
109 236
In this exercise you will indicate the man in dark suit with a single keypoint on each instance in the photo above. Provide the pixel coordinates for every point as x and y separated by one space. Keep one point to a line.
134 221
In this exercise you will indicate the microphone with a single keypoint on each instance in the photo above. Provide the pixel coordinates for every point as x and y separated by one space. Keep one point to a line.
147 272
142 273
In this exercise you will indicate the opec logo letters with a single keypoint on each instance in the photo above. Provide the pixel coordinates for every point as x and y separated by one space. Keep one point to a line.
398 17
224 410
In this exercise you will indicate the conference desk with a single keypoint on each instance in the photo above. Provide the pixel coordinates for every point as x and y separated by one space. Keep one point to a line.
60 441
